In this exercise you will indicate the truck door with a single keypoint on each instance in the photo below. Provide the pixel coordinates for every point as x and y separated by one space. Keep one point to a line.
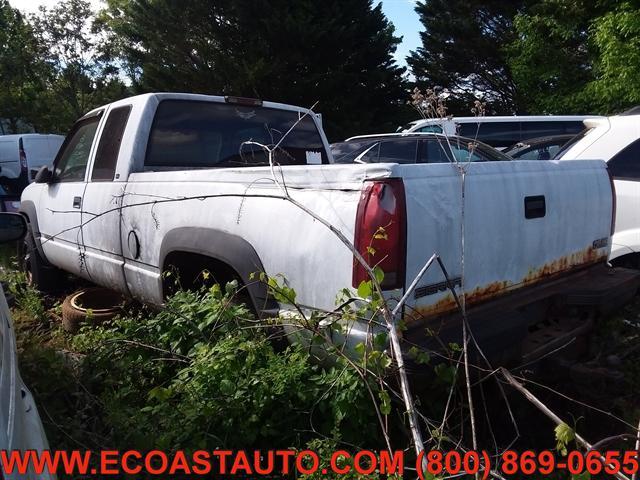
59 208
103 261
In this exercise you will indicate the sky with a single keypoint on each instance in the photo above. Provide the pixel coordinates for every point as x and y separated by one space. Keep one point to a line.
407 23
400 12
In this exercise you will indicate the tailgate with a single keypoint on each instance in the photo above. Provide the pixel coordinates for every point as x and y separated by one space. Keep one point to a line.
518 223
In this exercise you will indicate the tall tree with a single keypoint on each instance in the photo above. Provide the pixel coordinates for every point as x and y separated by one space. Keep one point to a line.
551 57
338 53
18 70
463 51
78 75
616 36
578 56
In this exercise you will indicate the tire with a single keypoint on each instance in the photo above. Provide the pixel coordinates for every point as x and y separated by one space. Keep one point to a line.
40 274
90 305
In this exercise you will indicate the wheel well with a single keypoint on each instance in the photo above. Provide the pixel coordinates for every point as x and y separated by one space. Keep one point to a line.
630 260
186 271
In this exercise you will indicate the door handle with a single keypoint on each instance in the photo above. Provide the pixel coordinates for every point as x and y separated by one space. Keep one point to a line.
77 202
535 206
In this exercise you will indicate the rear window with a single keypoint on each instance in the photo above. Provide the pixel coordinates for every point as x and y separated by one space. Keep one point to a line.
194 134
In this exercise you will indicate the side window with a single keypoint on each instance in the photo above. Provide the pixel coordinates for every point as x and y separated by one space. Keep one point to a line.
573 126
104 166
626 164
398 151
431 129
434 151
496 134
73 157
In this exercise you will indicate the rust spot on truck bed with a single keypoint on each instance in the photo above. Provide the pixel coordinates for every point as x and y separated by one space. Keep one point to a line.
577 260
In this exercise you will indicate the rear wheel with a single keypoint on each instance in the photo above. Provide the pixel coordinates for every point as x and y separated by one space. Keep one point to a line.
40 275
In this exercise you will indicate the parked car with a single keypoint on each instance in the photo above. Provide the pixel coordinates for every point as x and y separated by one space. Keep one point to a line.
22 155
413 148
19 420
501 131
166 181
617 141
8 202
543 148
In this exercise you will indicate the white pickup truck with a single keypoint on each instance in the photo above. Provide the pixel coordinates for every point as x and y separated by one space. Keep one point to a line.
166 180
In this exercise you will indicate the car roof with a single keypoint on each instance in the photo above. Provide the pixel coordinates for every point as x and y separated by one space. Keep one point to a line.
383 136
506 118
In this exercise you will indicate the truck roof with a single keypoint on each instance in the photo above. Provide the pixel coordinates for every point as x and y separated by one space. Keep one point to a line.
146 97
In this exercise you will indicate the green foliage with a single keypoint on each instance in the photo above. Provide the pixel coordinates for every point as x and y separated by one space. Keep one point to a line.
79 75
577 56
338 53
564 435
54 67
616 36
462 50
18 69
198 374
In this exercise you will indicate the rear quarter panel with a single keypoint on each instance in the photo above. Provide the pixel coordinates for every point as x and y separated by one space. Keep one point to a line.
288 241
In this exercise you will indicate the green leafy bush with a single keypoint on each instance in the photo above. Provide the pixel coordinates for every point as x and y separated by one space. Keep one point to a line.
203 373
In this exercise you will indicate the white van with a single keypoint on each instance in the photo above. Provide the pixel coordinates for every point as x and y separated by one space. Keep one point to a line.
501 131
22 155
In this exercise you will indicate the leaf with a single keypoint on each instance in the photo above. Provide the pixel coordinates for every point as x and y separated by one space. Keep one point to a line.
380 340
360 349
378 273
446 373
159 393
371 251
564 435
582 476
226 387
364 289
385 402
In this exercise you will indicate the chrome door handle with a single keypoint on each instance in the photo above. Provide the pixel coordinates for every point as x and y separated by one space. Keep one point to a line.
77 202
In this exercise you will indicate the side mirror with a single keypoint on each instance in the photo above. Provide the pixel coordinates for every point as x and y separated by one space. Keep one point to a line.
13 226
44 175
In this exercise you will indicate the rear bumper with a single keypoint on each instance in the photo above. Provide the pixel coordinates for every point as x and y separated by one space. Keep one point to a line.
502 325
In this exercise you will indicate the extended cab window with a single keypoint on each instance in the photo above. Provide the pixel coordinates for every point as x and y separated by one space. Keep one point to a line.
193 134
71 163
626 163
104 166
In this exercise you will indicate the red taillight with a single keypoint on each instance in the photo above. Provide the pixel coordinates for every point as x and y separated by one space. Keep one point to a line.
382 206
613 192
